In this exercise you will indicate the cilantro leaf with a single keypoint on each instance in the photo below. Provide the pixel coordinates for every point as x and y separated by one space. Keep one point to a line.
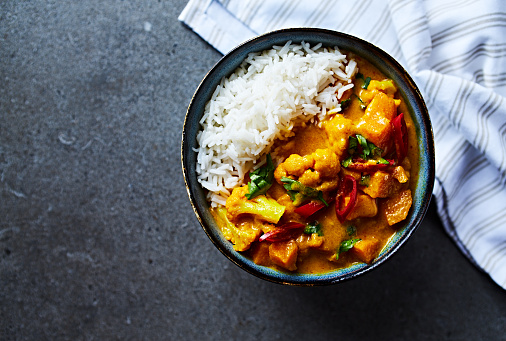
374 150
261 179
351 230
346 162
368 150
362 104
314 227
300 193
364 180
352 144
346 245
345 104
366 82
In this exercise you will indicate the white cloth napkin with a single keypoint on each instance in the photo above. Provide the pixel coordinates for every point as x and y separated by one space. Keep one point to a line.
456 52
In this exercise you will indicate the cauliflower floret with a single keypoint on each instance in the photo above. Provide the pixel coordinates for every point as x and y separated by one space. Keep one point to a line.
294 165
386 86
289 214
338 129
310 178
266 209
318 170
326 163
240 235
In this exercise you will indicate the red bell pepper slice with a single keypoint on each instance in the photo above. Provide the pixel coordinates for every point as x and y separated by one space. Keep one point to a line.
284 232
400 136
369 166
309 209
343 213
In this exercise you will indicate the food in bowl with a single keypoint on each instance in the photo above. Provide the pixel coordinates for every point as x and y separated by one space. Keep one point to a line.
308 155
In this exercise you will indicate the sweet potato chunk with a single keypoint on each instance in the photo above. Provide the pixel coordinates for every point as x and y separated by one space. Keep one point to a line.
260 254
397 207
382 185
375 125
400 174
366 249
284 254
365 207
305 241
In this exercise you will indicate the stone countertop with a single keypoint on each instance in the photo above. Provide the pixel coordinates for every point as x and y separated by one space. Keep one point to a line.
97 237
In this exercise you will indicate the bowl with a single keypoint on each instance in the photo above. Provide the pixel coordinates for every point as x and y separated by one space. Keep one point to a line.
381 60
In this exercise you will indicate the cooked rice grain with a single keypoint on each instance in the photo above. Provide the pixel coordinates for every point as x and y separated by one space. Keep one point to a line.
269 94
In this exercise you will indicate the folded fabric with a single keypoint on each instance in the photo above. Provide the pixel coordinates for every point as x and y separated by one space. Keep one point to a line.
456 53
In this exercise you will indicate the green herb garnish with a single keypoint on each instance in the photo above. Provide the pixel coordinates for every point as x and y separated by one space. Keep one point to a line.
314 227
362 104
300 193
366 80
351 230
365 180
366 151
352 144
346 103
369 150
346 245
261 179
366 83
346 162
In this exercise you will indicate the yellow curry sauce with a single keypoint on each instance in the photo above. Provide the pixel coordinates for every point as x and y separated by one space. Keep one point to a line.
315 156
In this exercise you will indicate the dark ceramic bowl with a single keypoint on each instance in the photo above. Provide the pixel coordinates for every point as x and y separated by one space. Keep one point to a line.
386 64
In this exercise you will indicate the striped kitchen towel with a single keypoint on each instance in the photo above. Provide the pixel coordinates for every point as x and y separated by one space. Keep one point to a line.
456 53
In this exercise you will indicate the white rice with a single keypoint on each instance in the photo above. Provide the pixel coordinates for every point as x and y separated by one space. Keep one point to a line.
269 94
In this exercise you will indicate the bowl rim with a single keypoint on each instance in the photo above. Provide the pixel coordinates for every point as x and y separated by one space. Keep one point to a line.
324 278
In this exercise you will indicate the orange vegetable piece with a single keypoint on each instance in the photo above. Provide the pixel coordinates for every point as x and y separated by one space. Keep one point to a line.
382 185
375 125
260 254
284 254
397 207
365 207
366 249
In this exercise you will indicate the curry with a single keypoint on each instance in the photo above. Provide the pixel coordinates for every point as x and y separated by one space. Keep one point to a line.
334 193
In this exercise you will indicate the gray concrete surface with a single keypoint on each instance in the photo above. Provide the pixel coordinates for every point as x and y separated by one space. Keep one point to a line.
98 240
